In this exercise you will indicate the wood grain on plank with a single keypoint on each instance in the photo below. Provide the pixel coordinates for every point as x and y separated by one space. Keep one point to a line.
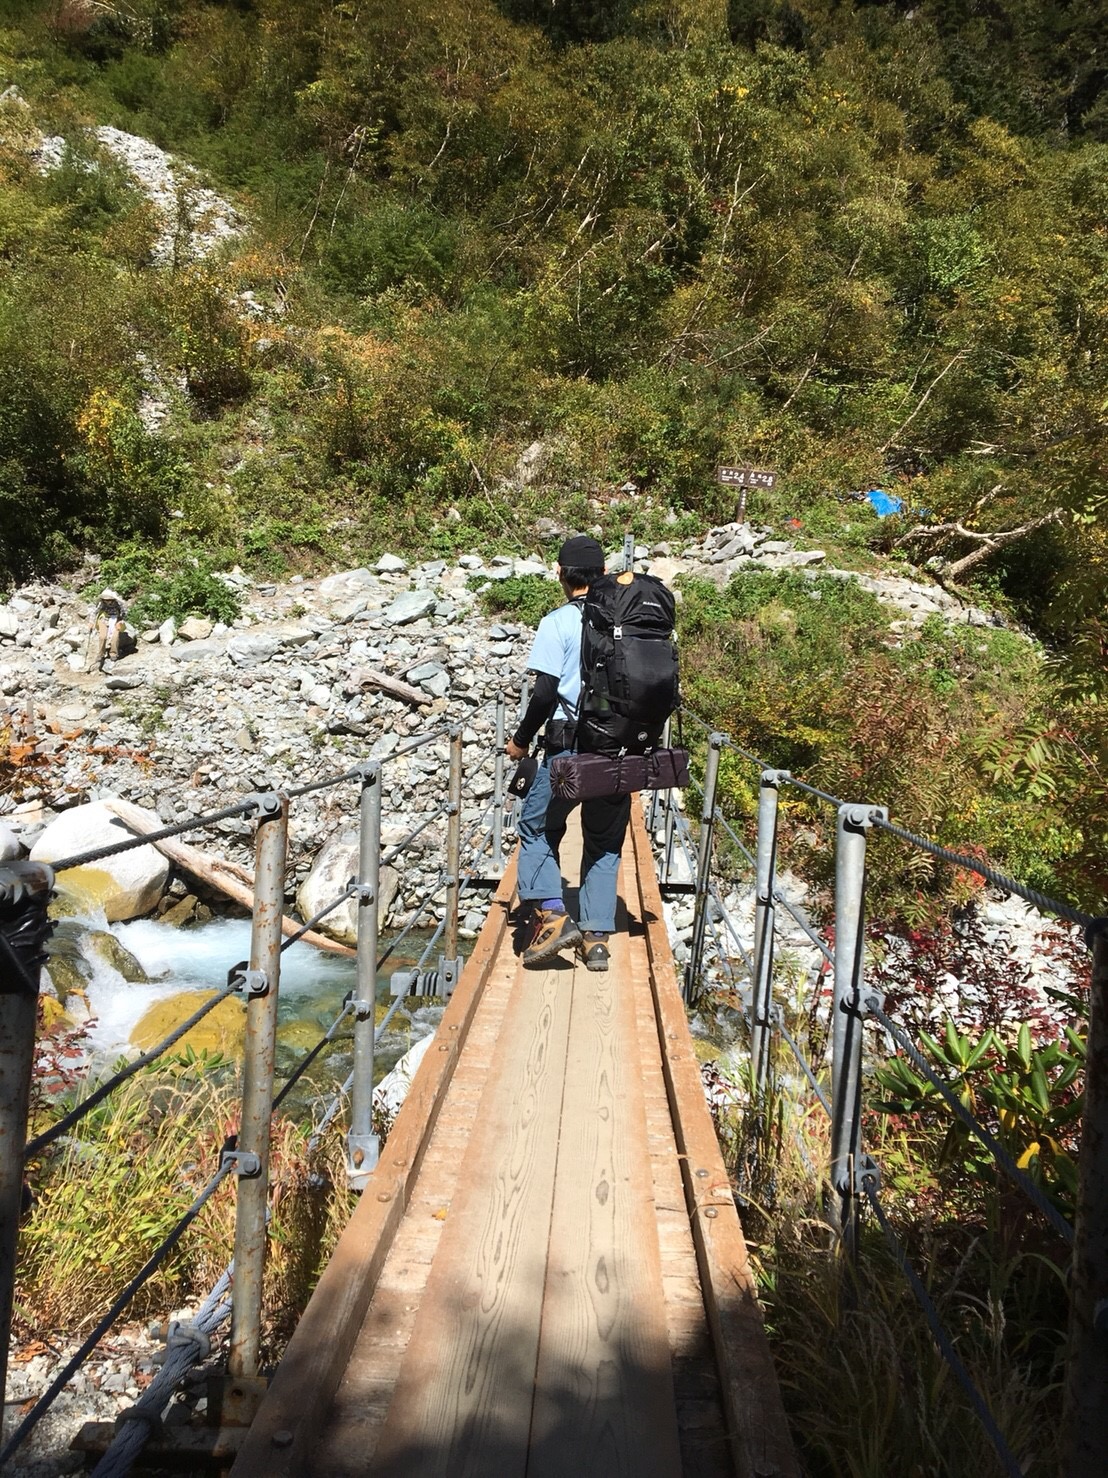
462 1404
357 1415
761 1443
313 1363
604 1400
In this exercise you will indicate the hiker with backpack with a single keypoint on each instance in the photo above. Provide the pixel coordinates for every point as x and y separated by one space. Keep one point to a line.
605 670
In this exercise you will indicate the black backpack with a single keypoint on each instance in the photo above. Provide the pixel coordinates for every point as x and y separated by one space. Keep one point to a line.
628 665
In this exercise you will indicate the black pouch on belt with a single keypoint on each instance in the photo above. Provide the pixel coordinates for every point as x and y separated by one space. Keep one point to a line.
524 776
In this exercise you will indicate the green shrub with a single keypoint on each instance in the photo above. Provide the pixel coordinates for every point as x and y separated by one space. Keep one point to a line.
528 598
178 583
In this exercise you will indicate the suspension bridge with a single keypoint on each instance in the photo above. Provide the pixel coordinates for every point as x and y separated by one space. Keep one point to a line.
545 1272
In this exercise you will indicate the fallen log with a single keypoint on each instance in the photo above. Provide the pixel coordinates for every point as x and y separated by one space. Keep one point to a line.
369 677
227 877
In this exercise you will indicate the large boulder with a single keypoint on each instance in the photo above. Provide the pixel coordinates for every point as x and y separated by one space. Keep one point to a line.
332 870
222 1030
125 886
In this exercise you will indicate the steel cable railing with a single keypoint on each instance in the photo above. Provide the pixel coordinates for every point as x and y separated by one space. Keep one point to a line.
852 1004
1041 901
257 982
245 807
145 1273
939 1334
103 1090
85 1107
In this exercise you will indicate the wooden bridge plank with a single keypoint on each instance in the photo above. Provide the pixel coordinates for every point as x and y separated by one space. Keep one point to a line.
604 1400
761 1444
701 1425
463 1400
285 1430
357 1415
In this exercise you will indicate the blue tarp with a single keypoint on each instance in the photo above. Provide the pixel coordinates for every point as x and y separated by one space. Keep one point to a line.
884 503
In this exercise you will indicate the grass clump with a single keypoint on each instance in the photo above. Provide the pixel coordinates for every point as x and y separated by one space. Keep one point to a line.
106 1198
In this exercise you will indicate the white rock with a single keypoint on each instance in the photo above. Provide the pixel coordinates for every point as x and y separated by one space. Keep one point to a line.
9 623
246 651
392 1090
126 885
167 632
411 606
348 583
332 870
9 844
195 628
390 564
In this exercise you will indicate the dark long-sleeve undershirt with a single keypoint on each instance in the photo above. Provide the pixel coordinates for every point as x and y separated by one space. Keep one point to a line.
544 700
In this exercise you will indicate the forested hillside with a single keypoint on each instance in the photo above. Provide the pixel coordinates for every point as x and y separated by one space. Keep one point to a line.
863 245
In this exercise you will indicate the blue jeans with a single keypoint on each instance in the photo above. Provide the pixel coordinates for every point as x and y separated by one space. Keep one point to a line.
542 825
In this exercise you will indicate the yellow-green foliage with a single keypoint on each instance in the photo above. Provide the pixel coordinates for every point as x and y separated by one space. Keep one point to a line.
809 674
105 1198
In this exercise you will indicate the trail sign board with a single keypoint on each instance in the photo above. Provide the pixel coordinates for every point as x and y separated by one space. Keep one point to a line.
745 477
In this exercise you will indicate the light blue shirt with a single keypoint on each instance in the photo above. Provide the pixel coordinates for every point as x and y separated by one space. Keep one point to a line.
557 651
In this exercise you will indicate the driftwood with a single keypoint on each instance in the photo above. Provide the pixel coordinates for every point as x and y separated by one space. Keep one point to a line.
986 542
369 677
227 877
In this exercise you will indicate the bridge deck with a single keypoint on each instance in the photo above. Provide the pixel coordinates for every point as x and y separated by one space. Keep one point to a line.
547 1275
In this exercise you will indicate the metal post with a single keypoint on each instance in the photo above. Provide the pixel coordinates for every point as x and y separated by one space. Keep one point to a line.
1086 1397
628 551
703 865
656 795
25 889
498 790
765 882
670 836
259 1050
524 694
363 1147
848 1014
448 965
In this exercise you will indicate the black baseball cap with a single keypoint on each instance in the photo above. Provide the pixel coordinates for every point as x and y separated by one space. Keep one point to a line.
581 553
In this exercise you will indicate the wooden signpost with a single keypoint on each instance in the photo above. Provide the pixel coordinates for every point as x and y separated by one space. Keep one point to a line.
744 478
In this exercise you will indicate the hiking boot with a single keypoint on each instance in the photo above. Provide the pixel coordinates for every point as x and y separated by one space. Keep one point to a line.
553 933
594 951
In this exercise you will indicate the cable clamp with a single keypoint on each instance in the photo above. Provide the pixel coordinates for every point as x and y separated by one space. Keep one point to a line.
853 1004
185 1335
362 893
243 1163
363 1010
367 771
262 804
774 1016
248 982
874 1001
867 1175
150 1419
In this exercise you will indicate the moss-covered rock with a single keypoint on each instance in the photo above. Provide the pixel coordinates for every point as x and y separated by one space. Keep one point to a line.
108 948
68 974
220 1031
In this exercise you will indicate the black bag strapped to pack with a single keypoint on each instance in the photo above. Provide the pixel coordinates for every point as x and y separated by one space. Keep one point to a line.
587 777
629 670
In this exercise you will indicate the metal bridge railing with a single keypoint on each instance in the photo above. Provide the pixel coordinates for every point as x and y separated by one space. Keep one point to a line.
854 1175
25 891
